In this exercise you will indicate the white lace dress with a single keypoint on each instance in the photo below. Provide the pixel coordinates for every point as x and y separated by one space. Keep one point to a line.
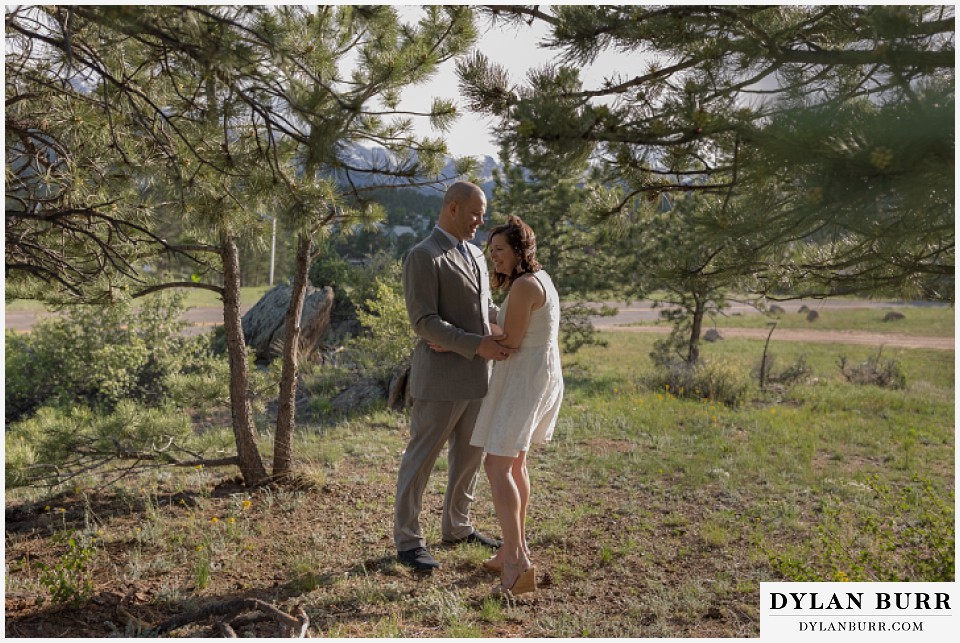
526 389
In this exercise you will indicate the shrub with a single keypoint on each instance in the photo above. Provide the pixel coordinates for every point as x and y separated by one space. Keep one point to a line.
576 328
385 345
795 373
68 580
98 355
876 370
329 268
716 380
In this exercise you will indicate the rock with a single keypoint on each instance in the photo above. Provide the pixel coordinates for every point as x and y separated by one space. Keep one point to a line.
264 325
893 316
776 310
813 316
358 396
803 309
712 335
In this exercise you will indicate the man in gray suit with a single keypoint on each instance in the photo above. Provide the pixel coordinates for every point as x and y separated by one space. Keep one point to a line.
447 293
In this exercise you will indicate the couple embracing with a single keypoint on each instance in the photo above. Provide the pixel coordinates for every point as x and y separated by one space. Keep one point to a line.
456 400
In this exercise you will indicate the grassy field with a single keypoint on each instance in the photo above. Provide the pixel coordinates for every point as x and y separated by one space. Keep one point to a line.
652 516
195 298
935 321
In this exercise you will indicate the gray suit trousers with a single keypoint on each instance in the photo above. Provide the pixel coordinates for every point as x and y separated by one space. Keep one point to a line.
432 424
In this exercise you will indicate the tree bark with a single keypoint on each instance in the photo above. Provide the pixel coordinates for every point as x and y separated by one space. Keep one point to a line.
286 410
251 464
693 349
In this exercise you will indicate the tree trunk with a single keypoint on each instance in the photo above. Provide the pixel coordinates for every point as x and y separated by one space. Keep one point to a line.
251 465
286 410
693 350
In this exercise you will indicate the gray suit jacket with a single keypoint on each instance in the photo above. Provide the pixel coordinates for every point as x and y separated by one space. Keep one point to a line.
449 305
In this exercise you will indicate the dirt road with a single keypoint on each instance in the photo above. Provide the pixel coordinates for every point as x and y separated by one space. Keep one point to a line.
203 319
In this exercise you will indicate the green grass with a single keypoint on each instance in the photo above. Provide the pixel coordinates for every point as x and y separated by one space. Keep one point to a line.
648 511
195 298
936 321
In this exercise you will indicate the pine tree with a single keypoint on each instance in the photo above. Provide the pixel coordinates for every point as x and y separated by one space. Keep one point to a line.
584 259
832 126
213 115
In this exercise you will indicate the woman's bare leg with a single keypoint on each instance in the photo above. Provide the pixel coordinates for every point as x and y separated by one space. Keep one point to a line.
506 501
522 481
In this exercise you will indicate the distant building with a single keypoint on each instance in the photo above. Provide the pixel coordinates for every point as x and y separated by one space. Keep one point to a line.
397 231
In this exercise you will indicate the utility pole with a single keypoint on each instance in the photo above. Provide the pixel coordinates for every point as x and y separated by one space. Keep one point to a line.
273 246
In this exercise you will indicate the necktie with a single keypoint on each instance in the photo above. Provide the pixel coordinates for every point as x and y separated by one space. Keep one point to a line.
462 247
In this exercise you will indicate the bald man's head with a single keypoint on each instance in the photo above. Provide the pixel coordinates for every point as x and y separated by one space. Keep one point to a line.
464 205
460 192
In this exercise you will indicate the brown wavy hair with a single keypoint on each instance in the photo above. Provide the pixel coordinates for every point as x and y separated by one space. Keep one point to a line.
523 241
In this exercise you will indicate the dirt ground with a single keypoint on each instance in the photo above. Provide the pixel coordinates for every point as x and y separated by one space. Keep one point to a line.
353 581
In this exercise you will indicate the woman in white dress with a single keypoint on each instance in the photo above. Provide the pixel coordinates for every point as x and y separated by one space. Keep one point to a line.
524 396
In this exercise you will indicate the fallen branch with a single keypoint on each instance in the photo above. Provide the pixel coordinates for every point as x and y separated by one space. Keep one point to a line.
289 626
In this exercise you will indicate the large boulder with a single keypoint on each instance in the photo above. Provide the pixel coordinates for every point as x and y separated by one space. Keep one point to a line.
265 326
360 395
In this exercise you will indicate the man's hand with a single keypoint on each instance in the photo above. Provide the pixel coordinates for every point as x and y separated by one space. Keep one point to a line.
491 348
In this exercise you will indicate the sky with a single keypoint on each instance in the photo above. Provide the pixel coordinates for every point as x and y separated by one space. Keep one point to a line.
516 49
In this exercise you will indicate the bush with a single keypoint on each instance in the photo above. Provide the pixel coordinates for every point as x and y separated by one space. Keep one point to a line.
329 268
98 355
715 380
576 329
795 373
387 341
876 370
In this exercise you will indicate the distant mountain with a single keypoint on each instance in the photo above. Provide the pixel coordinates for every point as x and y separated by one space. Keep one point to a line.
367 157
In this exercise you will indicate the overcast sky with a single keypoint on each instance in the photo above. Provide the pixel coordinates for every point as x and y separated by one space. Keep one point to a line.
516 49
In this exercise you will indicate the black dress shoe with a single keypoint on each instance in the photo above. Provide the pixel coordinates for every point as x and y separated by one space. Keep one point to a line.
476 537
419 559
